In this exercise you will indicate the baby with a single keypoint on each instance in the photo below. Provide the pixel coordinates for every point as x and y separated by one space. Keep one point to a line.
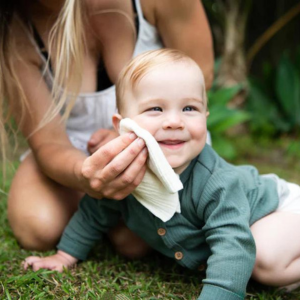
239 223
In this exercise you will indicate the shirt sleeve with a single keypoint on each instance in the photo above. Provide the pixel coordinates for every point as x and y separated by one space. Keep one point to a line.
225 209
93 218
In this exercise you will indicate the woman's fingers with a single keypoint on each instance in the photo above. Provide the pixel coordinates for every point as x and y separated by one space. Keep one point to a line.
116 168
126 182
123 161
110 150
94 164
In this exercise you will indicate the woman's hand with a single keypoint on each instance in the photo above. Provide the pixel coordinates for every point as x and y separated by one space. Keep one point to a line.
56 262
116 168
99 138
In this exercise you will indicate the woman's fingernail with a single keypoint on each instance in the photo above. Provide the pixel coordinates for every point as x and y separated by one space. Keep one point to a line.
132 136
141 142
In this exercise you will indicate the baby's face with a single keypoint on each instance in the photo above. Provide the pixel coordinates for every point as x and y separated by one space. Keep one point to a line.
167 102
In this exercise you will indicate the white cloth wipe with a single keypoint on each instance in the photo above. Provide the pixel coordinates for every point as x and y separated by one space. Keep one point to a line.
158 191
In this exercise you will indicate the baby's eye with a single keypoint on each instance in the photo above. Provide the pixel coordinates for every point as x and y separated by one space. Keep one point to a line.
155 109
189 108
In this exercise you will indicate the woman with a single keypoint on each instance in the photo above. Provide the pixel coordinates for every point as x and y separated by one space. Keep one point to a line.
64 56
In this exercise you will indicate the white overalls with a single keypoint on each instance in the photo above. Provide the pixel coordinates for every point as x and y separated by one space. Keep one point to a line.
93 111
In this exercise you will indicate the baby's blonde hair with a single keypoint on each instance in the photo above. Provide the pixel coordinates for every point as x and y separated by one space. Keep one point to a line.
142 64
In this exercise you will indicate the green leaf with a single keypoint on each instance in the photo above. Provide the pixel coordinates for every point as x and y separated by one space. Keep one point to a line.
287 88
266 117
234 119
223 147
222 118
217 114
297 60
223 95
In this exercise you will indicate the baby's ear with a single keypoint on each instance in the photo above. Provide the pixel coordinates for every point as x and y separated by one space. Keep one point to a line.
207 114
116 118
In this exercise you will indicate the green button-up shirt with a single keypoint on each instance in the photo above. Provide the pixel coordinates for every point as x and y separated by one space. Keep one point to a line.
219 202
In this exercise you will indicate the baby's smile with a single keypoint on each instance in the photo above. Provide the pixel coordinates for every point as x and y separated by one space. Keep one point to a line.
171 144
169 102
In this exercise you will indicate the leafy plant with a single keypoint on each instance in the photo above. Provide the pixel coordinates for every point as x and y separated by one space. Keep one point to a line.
274 100
222 118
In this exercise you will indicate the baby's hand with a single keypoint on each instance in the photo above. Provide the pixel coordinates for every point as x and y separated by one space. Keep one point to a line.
56 262
99 138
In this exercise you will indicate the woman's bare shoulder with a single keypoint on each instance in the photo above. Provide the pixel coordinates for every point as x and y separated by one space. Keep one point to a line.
109 18
156 10
181 8
23 44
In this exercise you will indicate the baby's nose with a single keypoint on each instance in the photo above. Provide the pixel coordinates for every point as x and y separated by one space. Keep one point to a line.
173 121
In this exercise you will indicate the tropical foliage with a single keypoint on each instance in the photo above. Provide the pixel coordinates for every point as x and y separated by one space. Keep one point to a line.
274 99
223 117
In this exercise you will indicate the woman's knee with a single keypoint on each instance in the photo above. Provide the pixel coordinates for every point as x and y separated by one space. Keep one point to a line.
38 208
38 225
36 233
34 226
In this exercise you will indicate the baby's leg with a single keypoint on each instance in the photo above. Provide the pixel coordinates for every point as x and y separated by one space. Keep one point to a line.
277 238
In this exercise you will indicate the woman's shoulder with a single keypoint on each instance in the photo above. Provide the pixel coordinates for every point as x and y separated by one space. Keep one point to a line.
156 10
149 8
23 44
180 8
96 6
106 18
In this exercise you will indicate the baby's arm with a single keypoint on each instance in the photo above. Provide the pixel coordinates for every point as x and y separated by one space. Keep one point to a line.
226 213
86 227
56 262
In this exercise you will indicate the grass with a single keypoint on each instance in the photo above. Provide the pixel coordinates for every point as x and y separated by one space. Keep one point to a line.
106 275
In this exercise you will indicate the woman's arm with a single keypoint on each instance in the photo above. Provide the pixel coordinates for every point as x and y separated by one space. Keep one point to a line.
183 25
113 171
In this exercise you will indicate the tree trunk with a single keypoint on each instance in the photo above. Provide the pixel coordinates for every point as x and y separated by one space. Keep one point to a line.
233 68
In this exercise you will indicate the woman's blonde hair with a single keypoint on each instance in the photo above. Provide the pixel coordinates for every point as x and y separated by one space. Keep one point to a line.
66 42
142 64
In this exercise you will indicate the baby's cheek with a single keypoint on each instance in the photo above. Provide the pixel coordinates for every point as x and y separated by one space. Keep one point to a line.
145 123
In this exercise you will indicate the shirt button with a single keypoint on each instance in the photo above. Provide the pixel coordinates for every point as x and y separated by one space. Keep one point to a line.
178 255
161 231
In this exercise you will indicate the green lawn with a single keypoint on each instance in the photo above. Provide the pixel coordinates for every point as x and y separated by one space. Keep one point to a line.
106 275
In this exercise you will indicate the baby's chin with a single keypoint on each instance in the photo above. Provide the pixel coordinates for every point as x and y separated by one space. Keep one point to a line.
178 169
172 162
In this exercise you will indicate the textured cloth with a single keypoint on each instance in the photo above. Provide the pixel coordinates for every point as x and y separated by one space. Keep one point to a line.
158 191
219 203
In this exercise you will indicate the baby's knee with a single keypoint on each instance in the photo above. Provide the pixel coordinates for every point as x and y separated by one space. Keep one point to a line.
133 250
267 268
128 243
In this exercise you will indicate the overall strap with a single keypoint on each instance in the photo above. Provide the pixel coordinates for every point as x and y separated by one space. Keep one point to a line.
41 46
